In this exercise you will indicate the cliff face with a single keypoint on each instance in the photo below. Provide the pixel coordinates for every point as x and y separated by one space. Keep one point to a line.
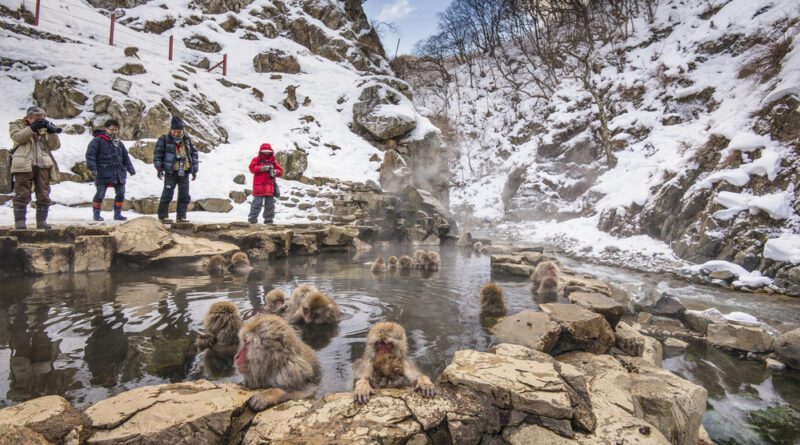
698 104
308 76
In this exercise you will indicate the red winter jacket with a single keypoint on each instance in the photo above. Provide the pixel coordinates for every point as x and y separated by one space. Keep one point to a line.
263 184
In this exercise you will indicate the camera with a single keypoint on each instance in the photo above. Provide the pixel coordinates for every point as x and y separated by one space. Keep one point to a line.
51 128
181 165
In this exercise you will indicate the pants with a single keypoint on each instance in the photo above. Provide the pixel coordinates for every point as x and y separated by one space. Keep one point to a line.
171 180
269 209
119 192
38 180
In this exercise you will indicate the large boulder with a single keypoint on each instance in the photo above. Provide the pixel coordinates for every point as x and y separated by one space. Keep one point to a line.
194 248
142 238
658 303
215 205
383 113
339 236
180 414
603 305
699 320
51 416
261 245
740 337
581 329
788 348
629 340
671 404
143 151
394 173
294 163
93 253
46 258
155 122
202 43
653 352
60 96
221 6
276 61
528 328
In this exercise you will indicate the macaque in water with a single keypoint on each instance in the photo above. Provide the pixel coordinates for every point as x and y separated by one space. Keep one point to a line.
388 338
275 301
240 264
387 372
406 263
378 266
392 262
479 247
493 304
545 280
431 261
317 308
297 298
222 324
216 265
417 258
272 357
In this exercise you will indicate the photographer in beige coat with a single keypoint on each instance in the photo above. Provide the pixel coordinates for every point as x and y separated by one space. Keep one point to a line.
32 164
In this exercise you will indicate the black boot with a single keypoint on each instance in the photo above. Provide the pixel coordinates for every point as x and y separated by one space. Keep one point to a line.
41 217
19 218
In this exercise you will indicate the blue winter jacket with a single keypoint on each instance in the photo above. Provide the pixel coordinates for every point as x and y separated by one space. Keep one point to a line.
111 162
166 153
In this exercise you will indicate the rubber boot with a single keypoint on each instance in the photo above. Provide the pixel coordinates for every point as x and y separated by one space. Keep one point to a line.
96 208
41 217
118 212
19 218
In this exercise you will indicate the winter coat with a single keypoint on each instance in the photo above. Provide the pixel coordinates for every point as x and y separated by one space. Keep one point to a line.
24 140
263 184
112 163
166 152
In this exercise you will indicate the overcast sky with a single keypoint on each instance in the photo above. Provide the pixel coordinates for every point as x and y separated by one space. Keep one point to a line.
415 20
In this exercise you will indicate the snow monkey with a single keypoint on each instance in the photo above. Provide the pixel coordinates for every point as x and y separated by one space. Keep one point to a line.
493 304
222 324
316 308
431 261
297 297
388 338
406 262
392 262
387 372
216 265
418 255
545 280
131 51
378 266
272 357
240 263
479 247
276 300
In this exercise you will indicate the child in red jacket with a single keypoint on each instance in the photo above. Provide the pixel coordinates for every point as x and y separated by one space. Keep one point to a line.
265 168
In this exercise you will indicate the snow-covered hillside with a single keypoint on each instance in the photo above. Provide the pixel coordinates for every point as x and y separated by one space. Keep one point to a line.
326 49
702 111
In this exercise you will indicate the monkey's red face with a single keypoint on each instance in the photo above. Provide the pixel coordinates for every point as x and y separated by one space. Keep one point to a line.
240 361
551 271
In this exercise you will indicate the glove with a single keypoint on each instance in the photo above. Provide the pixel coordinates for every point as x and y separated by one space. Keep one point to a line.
160 174
94 173
38 125
132 173
194 176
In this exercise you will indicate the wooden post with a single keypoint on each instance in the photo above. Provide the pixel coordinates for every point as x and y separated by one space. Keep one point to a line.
171 43
225 64
36 18
111 31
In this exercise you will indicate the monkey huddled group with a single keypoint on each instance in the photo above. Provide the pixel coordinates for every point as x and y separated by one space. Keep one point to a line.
545 282
272 357
428 261
218 264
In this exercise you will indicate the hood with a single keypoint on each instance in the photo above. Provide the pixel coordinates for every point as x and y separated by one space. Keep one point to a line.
101 134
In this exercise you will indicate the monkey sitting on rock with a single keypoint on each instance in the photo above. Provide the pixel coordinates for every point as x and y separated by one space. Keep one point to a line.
387 339
492 302
272 358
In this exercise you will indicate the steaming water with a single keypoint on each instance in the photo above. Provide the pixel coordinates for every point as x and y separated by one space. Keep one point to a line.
91 336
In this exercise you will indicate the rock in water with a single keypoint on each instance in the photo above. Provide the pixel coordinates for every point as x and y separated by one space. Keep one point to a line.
599 303
742 338
528 328
581 329
788 348
51 416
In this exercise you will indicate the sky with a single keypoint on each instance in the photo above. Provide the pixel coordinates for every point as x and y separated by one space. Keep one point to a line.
414 19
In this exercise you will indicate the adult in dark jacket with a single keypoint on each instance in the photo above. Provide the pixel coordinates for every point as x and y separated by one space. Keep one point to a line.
110 164
175 159
265 169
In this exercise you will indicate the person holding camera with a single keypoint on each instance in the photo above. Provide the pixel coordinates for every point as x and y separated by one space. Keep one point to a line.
265 168
32 164
175 160
110 164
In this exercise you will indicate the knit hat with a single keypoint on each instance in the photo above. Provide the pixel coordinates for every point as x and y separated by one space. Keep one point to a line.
266 147
176 124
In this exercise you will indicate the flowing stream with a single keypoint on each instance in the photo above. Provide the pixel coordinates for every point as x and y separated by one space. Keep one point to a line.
91 336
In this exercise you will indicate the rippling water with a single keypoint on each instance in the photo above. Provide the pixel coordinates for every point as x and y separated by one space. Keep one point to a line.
90 336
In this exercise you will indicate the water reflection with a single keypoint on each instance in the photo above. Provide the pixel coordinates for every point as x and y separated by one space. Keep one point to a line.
91 336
